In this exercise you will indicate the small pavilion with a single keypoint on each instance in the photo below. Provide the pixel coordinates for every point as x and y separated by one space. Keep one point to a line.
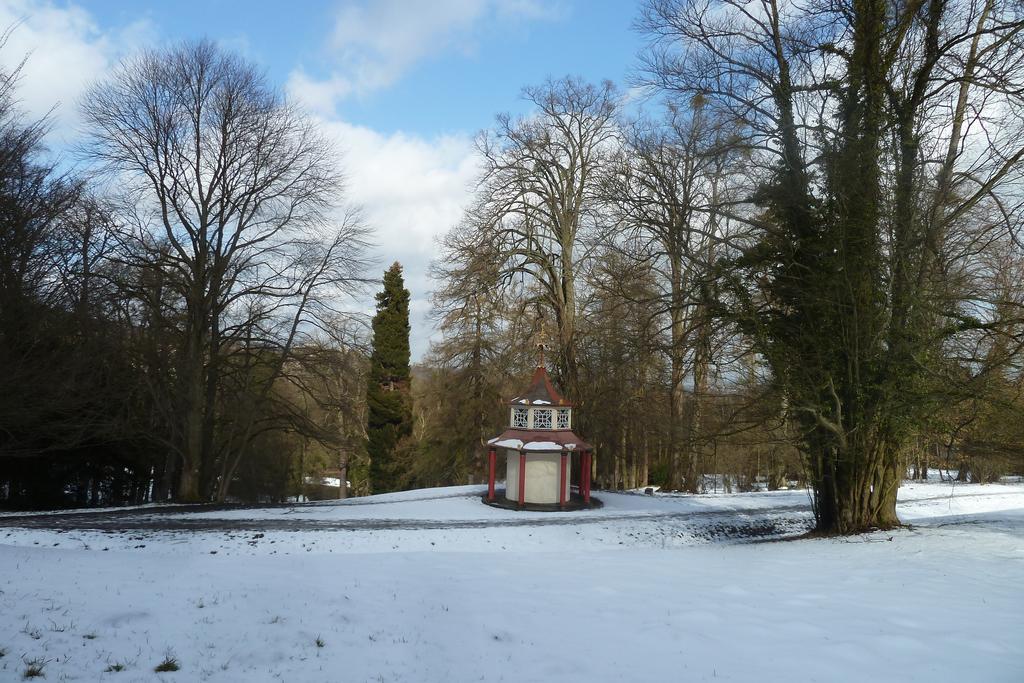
540 448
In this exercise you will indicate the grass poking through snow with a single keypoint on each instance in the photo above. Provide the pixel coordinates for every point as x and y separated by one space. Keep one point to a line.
34 669
170 663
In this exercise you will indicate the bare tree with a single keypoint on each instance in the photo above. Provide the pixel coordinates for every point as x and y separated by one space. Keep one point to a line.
482 347
540 194
886 139
665 193
231 198
322 397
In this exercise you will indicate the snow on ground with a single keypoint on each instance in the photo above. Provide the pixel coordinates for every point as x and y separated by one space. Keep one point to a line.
434 586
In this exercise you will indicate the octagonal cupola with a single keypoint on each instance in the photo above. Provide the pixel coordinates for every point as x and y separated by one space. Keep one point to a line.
540 407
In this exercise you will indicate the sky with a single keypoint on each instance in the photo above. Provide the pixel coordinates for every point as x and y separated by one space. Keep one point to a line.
401 85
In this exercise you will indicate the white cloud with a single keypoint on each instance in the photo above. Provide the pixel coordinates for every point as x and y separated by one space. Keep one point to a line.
317 95
376 43
65 52
412 190
373 44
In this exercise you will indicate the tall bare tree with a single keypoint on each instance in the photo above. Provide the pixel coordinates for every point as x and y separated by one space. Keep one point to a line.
672 177
233 200
540 195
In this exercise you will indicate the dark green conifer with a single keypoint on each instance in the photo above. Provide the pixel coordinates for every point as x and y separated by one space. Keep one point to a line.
388 398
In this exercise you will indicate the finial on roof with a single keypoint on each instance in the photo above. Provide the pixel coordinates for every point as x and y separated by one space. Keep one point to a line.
540 354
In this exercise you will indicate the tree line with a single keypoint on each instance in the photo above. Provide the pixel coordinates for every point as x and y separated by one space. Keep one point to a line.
797 261
801 261
172 317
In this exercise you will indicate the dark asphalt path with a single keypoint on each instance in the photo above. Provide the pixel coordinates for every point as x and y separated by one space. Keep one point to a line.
178 518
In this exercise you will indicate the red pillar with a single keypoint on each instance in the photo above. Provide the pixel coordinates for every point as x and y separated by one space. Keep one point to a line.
492 458
561 481
522 478
585 479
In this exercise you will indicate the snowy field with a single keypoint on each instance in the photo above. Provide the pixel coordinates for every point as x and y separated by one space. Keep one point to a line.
434 586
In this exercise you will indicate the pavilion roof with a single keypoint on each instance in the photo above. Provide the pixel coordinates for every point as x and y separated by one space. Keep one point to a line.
540 440
541 391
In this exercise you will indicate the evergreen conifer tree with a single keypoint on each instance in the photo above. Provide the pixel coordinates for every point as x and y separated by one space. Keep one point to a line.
388 397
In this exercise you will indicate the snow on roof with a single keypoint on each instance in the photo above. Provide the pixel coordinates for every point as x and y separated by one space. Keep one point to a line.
539 440
542 446
506 443
517 444
548 446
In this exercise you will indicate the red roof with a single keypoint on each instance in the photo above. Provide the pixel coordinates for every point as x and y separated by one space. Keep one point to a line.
541 390
540 440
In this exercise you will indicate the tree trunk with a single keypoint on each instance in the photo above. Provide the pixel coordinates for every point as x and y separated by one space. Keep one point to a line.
855 487
694 431
677 370
613 483
193 417
343 475
302 471
188 483
645 463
